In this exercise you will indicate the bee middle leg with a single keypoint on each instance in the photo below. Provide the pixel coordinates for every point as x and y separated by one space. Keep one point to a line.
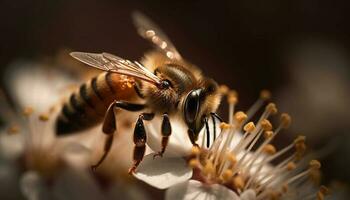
166 132
109 125
140 139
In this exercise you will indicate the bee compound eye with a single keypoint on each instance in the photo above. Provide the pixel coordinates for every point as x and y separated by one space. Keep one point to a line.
191 107
165 84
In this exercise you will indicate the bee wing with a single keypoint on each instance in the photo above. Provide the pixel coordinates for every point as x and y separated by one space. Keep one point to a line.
150 31
115 64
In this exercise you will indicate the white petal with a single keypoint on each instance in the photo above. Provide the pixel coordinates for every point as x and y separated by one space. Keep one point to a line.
248 195
32 186
179 144
75 184
193 189
33 84
11 146
77 155
163 172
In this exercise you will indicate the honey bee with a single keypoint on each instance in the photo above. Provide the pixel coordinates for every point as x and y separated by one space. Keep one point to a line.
168 85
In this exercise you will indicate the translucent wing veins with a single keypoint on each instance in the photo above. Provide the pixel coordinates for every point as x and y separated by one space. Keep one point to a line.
112 63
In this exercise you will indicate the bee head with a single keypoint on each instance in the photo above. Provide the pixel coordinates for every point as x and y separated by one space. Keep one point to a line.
199 103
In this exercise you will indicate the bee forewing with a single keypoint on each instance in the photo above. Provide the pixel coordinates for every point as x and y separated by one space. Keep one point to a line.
150 31
93 59
112 63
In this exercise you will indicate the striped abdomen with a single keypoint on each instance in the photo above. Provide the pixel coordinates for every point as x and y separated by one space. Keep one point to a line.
87 106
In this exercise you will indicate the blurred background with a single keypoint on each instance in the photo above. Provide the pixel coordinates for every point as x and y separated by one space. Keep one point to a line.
297 49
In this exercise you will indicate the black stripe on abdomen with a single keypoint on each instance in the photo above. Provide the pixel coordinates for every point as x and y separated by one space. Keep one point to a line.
95 88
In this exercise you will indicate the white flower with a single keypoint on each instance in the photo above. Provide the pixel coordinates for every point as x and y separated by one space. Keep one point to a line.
36 164
238 164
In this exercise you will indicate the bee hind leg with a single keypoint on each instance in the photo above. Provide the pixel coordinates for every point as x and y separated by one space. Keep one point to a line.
110 127
166 132
140 139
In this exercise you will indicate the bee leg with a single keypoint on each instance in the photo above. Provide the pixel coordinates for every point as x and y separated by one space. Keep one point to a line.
109 125
166 132
140 139
193 137
207 131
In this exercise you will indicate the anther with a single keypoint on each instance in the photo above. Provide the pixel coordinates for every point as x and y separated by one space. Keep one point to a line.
240 116
28 111
265 94
266 125
300 139
269 149
249 127
208 168
223 89
238 182
232 158
195 150
224 125
13 129
291 166
271 107
286 120
314 164
232 97
227 175
194 163
323 191
268 134
43 117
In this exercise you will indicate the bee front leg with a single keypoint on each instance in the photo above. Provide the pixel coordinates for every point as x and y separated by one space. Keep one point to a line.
110 127
166 132
140 139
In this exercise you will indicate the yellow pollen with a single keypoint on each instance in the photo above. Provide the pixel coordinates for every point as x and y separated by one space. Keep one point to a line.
265 94
43 117
266 125
194 163
314 164
223 89
28 111
268 134
13 129
286 120
227 175
270 149
232 97
224 125
249 127
129 85
240 116
291 166
195 150
238 182
271 107
208 168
